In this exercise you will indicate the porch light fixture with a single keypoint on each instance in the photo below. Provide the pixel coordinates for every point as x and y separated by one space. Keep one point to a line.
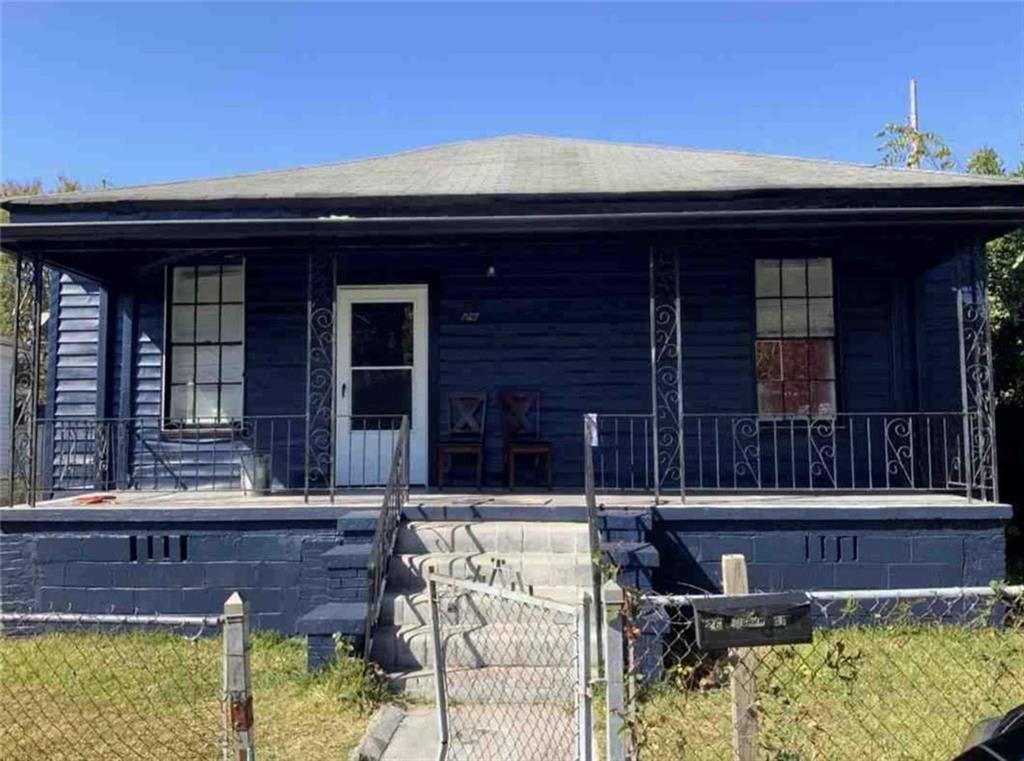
491 271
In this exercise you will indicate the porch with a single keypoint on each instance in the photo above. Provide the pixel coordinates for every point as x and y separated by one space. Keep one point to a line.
655 370
567 504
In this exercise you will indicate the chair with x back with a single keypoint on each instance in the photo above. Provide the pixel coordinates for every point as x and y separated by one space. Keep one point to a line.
520 421
467 413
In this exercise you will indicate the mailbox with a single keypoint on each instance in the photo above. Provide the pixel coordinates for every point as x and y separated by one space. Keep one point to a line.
752 620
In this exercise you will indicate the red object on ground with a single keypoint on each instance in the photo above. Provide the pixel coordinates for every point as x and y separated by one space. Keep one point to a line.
95 499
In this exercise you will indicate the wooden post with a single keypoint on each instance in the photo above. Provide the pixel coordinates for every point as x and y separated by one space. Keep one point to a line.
742 681
615 697
237 684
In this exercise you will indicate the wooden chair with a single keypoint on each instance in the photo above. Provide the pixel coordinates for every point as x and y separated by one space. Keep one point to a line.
467 413
520 419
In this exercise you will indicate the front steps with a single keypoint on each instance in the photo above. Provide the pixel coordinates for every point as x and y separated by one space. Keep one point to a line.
553 558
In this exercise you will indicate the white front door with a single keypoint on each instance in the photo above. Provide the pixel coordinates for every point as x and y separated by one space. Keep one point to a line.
382 375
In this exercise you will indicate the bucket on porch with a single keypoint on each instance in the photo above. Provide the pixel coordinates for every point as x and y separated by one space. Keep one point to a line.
255 474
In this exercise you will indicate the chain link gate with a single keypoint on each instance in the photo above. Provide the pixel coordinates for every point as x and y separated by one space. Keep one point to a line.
512 673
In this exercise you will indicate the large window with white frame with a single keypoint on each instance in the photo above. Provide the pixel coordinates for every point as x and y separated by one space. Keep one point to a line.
206 352
795 345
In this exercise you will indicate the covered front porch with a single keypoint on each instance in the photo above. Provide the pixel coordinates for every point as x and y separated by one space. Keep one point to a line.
658 368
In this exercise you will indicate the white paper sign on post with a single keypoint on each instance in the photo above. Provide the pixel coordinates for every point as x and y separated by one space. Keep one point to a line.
591 418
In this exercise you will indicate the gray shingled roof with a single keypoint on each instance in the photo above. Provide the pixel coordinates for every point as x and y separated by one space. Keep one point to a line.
530 165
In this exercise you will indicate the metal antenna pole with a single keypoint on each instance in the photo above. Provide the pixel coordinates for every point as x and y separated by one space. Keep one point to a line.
915 146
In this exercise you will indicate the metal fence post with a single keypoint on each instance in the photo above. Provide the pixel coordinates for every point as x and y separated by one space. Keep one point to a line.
615 697
237 684
585 713
440 688
742 682
590 440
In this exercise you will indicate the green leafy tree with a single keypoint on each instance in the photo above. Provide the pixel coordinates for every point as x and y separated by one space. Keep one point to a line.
12 189
1006 290
905 146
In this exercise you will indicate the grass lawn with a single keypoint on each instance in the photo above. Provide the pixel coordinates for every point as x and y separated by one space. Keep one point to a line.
882 693
89 696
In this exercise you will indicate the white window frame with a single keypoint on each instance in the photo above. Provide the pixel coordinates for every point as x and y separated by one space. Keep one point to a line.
167 423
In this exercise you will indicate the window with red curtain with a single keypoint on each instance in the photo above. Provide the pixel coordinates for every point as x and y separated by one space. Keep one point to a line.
795 346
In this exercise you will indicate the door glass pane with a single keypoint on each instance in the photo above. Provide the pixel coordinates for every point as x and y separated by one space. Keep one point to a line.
182 364
207 364
182 323
380 393
231 322
207 318
208 285
184 285
231 364
206 404
382 334
231 283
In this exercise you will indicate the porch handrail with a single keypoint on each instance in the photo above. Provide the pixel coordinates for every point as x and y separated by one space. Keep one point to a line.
396 493
893 451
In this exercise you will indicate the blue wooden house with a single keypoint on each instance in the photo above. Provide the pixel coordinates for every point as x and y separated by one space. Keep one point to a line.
773 355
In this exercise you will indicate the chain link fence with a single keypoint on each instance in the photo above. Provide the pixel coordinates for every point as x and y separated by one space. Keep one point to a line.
900 674
512 673
76 686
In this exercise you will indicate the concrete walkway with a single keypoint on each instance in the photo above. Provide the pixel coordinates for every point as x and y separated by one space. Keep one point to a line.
416 737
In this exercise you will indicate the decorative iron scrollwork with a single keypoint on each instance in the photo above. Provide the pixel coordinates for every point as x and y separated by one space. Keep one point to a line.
746 452
320 378
666 332
821 442
899 452
28 359
977 394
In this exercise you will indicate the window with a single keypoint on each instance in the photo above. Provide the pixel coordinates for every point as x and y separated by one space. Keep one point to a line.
796 369
206 357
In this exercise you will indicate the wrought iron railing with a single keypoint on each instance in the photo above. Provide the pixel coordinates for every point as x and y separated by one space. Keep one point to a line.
388 519
891 451
257 454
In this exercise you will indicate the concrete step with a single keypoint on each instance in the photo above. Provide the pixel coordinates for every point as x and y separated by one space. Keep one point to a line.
474 646
407 572
544 684
493 536
407 608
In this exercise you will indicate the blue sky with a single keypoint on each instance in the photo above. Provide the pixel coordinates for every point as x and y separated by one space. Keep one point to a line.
147 92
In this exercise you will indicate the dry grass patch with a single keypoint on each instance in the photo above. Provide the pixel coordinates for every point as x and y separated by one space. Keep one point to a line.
89 696
889 693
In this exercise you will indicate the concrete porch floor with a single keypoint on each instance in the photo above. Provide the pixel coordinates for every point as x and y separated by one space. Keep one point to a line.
432 499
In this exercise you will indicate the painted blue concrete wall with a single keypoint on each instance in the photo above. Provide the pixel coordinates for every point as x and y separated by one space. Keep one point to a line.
174 561
831 547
